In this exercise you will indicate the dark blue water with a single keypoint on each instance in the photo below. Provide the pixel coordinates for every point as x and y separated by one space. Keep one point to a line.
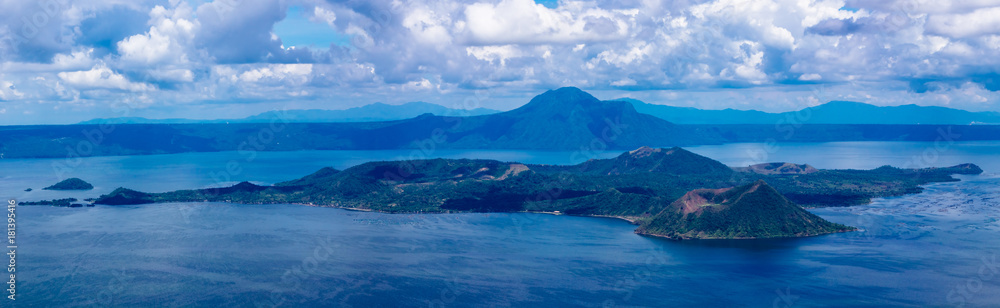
936 248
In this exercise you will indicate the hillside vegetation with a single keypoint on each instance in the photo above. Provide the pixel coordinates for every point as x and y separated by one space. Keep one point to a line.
639 185
71 184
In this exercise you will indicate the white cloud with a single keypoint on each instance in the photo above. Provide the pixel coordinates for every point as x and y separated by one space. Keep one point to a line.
172 75
526 22
925 7
810 77
8 91
420 85
635 53
749 68
166 41
976 23
494 53
75 60
148 48
893 50
278 73
323 15
100 76
427 27
623 82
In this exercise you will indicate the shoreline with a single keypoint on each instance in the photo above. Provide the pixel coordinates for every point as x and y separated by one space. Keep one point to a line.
630 220
855 229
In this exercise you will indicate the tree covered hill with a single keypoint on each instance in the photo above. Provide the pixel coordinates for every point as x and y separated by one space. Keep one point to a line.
70 184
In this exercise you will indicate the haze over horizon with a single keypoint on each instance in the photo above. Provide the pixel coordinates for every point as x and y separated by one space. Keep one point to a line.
65 61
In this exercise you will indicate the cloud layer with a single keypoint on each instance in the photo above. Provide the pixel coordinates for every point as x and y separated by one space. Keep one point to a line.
63 61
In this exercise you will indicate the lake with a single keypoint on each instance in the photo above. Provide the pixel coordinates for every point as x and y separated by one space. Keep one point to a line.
937 248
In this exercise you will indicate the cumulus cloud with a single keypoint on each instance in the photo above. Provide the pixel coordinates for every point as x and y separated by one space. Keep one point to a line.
324 15
172 75
278 73
102 77
494 54
8 91
526 22
167 38
181 53
980 22
240 32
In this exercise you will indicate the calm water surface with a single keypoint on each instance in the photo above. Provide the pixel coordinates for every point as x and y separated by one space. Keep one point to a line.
937 248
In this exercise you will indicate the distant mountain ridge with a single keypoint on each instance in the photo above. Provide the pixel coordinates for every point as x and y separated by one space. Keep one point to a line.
367 113
561 119
834 112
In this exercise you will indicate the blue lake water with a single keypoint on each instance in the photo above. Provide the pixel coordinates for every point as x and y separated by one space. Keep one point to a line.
937 248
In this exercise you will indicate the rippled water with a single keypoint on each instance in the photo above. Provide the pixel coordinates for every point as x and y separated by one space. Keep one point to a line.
935 248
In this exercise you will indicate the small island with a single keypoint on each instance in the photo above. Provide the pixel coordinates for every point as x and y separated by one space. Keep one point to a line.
71 184
667 192
57 202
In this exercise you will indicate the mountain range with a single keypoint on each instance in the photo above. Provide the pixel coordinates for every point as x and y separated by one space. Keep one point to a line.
367 113
561 119
835 112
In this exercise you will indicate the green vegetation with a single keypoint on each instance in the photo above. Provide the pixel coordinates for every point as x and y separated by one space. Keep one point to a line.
754 210
674 161
641 186
852 187
124 196
56 202
71 184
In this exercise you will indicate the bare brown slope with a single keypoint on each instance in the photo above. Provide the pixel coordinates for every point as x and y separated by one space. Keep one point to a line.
754 210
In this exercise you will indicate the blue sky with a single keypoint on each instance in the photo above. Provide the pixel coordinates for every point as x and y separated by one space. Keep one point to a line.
301 29
64 61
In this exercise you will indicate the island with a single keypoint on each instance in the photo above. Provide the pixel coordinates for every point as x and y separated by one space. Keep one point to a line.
71 184
57 202
667 192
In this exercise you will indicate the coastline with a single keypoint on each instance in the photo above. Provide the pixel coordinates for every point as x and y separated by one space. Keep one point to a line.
629 219
854 229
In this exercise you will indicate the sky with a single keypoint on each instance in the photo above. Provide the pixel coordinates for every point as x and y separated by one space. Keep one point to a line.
65 61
